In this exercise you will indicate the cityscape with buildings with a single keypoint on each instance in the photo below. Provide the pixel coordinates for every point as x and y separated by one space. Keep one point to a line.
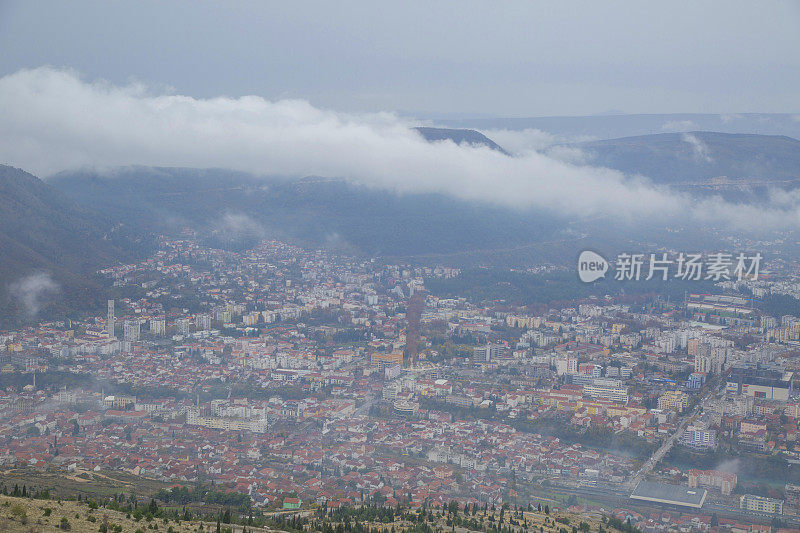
399 267
282 372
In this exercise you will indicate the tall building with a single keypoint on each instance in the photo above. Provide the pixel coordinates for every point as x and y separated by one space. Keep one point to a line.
251 319
223 315
674 400
132 330
203 322
566 364
183 326
489 352
158 325
110 320
413 314
608 389
724 481
710 359
699 437
383 360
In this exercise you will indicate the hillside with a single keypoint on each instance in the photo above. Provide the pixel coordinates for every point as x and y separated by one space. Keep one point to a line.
234 209
50 237
28 514
24 514
459 136
694 157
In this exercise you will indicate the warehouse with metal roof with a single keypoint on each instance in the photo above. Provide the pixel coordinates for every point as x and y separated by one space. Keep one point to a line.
669 494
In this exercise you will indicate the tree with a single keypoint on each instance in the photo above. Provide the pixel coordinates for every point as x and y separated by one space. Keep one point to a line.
452 507
573 500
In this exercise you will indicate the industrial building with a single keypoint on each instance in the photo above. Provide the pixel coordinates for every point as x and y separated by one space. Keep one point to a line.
669 494
760 382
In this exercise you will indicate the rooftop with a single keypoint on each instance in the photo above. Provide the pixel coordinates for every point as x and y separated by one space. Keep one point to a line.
669 494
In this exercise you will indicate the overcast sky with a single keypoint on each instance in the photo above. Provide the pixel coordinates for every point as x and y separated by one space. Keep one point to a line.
472 58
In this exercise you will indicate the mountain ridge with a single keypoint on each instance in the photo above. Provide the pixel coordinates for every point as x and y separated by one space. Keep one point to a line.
569 128
692 156
459 136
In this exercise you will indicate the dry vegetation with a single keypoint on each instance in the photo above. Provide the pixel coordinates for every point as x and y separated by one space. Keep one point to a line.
31 515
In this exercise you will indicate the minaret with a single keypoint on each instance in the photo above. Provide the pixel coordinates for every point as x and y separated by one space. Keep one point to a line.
110 320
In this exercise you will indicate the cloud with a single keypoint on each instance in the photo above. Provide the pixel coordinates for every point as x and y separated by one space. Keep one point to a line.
699 148
731 465
569 154
32 291
521 142
334 241
52 120
730 117
679 125
526 141
238 226
236 231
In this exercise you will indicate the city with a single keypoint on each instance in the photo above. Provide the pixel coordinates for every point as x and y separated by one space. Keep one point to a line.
304 374
399 267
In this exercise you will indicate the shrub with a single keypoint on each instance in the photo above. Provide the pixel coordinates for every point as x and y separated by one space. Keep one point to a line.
18 511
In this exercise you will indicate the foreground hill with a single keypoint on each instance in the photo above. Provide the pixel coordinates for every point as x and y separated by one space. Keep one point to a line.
50 247
695 157
120 515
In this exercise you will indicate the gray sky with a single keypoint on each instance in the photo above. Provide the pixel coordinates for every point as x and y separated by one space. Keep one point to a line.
491 58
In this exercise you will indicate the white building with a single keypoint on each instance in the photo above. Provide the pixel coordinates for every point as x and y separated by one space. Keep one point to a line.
131 330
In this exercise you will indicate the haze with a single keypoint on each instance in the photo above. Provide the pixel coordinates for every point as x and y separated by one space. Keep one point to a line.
441 59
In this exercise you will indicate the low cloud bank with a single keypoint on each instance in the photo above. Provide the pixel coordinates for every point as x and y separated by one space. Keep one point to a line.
32 291
52 120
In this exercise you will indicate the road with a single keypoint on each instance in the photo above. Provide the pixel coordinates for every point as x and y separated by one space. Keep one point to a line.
364 409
